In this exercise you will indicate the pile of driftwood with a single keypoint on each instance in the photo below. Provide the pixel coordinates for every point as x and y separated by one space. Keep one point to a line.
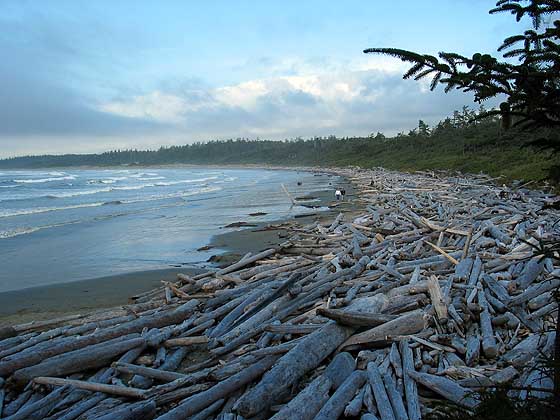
431 292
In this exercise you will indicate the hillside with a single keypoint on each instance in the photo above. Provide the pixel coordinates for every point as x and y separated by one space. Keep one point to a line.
457 143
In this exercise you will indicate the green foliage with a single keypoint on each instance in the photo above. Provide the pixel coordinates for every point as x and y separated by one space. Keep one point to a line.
531 85
460 142
498 404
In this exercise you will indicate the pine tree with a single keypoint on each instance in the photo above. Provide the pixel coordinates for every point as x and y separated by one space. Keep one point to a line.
531 84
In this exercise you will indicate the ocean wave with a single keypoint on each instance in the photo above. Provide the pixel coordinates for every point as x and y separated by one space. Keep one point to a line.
228 179
27 230
43 180
153 178
37 210
5 234
133 187
10 186
185 181
78 193
107 180
179 194
141 174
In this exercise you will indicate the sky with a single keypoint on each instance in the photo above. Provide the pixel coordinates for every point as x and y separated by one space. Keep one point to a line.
83 76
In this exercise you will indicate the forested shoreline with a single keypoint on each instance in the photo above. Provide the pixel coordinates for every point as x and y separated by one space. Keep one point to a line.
460 142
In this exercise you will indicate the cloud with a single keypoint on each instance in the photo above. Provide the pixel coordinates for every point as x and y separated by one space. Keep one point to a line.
59 94
351 102
44 85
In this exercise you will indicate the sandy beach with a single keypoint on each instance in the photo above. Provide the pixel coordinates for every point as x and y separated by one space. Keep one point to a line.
105 292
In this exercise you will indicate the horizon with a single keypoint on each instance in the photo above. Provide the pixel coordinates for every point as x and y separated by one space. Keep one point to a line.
92 77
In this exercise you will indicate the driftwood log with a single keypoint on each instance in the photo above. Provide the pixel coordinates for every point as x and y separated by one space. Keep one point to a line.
428 286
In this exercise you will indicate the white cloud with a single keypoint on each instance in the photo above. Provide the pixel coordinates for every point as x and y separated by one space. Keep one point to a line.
156 105
370 96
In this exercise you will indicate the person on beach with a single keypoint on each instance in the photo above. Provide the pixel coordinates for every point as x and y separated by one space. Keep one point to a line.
338 195
343 192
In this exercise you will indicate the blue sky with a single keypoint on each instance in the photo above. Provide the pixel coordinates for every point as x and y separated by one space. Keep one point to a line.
83 76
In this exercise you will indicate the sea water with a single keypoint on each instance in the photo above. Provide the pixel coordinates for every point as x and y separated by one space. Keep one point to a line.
60 226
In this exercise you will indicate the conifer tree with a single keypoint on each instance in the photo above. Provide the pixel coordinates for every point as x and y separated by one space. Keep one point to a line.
528 74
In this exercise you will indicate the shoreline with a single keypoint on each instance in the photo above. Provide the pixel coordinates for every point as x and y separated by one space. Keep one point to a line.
232 325
67 298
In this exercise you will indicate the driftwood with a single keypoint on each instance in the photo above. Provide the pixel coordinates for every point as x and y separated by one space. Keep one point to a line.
446 387
307 355
431 286
142 410
334 407
202 400
308 402
94 387
378 388
355 319
405 324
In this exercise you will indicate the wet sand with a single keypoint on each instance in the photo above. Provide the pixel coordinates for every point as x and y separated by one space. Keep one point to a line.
86 295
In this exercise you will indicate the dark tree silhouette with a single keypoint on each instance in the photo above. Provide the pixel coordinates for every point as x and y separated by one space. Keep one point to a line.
528 75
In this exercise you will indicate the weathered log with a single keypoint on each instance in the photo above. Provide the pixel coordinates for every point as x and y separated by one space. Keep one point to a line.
395 359
437 299
378 388
410 389
307 355
340 368
171 363
185 341
120 391
29 409
37 325
489 345
535 290
78 409
16 404
475 271
410 323
160 375
145 410
78 360
181 394
497 233
203 399
2 395
463 269
7 332
473 347
533 268
525 350
246 261
446 388
308 402
354 407
230 319
106 406
394 397
11 364
293 329
355 319
334 407
208 411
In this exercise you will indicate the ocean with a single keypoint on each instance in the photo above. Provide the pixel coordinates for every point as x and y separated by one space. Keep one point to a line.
60 226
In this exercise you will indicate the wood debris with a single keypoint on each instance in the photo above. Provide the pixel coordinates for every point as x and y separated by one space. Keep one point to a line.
430 291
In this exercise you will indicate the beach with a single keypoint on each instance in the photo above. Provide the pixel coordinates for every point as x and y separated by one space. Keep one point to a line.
375 287
75 296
